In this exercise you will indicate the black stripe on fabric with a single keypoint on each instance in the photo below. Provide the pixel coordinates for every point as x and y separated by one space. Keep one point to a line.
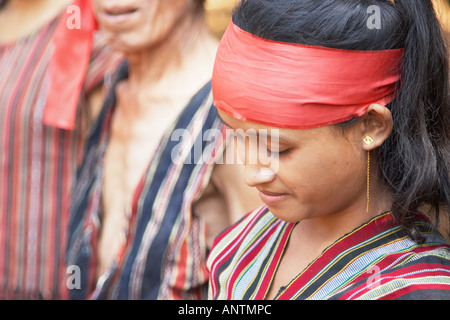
344 260
426 294
255 283
225 263
152 272
87 179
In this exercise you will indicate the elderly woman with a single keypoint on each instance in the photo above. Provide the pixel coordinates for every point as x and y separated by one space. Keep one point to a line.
361 114
143 218
38 158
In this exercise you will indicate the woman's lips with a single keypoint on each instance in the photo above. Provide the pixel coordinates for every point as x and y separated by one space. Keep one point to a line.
118 10
272 198
117 14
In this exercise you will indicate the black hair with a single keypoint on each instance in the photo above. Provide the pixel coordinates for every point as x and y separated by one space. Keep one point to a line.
415 160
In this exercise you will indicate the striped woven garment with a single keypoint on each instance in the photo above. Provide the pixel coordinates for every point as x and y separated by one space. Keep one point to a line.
164 254
375 261
37 166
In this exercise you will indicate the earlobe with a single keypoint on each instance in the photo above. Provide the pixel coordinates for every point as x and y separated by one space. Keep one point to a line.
377 126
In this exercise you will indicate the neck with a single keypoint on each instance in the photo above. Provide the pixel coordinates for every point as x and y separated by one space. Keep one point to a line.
177 51
321 232
172 70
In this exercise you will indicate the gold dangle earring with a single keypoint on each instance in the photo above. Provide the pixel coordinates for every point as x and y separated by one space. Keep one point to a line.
368 141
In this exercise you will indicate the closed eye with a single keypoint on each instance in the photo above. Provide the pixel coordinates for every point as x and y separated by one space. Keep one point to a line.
277 152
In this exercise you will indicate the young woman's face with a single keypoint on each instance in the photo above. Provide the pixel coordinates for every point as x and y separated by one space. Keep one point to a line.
132 25
318 171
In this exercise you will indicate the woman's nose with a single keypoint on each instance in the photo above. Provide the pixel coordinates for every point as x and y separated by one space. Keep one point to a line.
255 175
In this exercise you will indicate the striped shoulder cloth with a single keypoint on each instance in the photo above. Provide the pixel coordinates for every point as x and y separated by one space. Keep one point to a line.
163 255
37 166
375 261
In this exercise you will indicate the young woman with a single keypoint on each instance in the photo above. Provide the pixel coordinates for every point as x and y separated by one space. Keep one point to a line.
355 94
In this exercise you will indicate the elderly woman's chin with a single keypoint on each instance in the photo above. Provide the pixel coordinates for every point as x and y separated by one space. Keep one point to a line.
127 43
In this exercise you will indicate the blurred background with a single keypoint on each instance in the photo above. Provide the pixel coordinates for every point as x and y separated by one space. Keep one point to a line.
218 14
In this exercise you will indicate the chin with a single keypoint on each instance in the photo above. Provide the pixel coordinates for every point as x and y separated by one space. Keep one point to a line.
125 45
287 214
123 37
295 210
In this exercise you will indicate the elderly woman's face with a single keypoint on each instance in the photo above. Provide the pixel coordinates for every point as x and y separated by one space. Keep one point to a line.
133 25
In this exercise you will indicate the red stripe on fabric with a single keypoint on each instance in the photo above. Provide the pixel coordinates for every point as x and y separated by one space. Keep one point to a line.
13 144
389 260
52 217
366 231
181 267
230 249
248 257
404 272
268 277
31 242
66 181
27 223
89 225
415 287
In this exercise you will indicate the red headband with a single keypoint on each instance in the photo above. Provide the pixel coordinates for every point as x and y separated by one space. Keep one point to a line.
68 67
297 86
